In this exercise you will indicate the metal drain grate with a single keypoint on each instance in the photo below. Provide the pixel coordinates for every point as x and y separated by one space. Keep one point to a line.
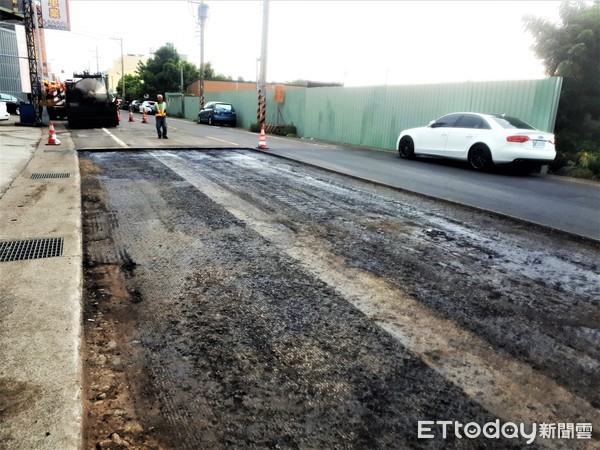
31 249
37 176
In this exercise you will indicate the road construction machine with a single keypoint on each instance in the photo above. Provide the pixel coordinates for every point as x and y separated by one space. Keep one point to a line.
89 103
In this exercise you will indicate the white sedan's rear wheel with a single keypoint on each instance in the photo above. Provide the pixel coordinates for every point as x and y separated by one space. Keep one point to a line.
480 158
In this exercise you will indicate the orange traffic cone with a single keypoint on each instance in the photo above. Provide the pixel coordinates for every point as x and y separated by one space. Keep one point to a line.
52 139
262 141
144 118
131 116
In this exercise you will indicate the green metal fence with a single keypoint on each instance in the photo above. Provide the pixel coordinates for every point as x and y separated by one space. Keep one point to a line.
374 116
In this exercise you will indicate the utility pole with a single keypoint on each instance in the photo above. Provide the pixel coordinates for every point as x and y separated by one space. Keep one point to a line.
122 71
30 15
202 17
262 83
122 67
45 117
181 75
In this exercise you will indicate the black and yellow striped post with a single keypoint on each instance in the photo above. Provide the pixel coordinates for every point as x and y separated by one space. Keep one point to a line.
262 108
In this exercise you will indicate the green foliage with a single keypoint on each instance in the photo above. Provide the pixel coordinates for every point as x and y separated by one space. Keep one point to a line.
286 130
583 164
298 82
162 73
279 130
190 74
210 74
571 50
133 87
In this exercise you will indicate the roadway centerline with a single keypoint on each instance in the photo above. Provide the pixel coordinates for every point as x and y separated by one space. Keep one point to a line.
117 140
221 140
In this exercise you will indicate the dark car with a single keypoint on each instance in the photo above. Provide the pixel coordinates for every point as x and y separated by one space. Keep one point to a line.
218 112
135 105
12 103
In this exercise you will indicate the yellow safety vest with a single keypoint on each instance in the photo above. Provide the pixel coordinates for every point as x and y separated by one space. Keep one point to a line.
161 109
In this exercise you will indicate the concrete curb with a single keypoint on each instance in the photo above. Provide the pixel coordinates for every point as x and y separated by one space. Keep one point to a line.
40 306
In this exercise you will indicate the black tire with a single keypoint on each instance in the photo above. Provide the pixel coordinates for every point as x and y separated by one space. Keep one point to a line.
480 158
406 148
210 120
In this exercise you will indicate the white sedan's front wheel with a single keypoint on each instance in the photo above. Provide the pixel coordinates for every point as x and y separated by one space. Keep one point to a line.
406 148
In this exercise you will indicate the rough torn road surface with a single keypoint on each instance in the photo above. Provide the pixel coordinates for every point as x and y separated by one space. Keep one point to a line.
237 300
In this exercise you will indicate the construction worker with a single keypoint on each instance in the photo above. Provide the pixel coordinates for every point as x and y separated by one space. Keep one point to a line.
160 112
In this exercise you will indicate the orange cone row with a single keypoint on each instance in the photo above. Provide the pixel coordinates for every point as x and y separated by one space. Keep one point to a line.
131 119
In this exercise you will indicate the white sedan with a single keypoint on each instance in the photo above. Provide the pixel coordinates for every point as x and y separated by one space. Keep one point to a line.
147 107
4 115
481 139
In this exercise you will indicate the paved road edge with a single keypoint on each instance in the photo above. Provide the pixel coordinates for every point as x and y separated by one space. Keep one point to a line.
541 226
41 309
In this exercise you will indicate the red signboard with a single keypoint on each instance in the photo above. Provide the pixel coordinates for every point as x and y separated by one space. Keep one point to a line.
279 93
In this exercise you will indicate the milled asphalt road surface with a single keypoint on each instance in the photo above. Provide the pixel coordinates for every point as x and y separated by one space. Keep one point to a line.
40 299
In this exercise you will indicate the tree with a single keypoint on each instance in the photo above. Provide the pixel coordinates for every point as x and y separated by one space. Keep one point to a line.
571 49
209 74
162 73
190 73
134 89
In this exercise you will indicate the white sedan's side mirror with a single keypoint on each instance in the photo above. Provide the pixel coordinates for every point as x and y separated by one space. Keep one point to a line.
431 124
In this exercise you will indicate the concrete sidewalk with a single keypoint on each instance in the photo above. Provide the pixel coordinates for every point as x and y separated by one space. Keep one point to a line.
40 297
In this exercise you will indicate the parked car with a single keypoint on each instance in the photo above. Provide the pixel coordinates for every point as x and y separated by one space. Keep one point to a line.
12 103
218 112
135 105
147 107
483 140
4 115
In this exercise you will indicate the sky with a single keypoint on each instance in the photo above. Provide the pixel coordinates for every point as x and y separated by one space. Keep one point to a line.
358 43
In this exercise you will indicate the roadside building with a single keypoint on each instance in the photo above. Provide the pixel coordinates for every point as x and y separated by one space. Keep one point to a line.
129 66
10 71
